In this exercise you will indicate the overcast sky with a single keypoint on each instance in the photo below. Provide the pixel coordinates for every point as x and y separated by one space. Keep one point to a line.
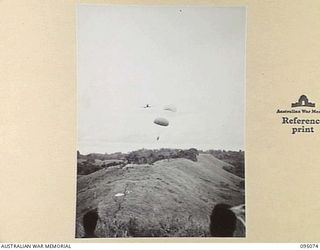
190 57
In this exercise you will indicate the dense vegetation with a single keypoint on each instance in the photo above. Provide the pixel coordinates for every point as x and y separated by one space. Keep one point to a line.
90 163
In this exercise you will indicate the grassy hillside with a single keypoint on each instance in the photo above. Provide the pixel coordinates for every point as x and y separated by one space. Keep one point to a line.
235 158
167 198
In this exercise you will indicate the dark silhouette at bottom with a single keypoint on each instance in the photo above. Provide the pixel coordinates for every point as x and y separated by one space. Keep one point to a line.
222 221
89 223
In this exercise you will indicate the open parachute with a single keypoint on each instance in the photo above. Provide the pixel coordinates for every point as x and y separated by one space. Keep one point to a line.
170 107
161 121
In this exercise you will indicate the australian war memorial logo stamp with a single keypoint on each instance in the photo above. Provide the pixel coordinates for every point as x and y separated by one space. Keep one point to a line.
303 102
303 117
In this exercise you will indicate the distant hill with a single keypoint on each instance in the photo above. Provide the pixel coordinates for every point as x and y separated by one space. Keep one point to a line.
170 197
234 158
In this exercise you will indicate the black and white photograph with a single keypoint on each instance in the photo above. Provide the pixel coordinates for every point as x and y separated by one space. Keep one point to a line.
160 121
